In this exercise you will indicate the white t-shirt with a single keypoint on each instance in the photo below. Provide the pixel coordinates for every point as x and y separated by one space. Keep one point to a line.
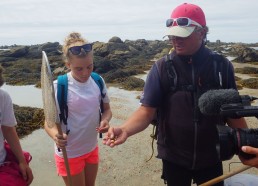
7 118
83 100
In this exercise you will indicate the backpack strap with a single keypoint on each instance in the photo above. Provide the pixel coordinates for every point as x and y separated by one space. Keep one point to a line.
62 88
222 71
172 76
171 72
218 69
98 80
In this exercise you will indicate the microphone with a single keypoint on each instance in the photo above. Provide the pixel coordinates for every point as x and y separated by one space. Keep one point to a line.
210 102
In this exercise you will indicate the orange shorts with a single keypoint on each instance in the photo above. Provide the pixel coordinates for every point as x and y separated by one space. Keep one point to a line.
77 164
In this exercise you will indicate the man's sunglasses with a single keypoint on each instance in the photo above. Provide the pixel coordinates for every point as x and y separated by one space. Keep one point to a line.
181 21
76 50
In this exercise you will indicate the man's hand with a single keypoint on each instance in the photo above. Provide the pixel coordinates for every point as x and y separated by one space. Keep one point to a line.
115 136
253 161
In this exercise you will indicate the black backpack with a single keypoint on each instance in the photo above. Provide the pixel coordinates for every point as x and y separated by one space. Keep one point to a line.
218 62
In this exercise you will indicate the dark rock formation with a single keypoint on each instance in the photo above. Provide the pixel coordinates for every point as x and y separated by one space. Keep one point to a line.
243 53
28 119
114 60
247 55
117 61
115 39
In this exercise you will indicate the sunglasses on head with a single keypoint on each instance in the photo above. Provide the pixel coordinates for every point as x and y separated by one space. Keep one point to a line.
76 50
181 21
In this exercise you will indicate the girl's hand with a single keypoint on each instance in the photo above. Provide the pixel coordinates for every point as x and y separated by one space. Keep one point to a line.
104 126
60 140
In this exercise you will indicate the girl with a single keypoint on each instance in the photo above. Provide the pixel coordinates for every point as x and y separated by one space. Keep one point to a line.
83 122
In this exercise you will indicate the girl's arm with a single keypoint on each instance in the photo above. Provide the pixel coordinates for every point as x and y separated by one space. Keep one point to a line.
13 140
105 118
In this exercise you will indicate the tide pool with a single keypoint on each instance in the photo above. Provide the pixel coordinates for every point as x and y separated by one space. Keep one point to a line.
31 96
27 95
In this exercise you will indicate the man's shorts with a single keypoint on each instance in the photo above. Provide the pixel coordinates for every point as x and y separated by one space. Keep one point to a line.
77 164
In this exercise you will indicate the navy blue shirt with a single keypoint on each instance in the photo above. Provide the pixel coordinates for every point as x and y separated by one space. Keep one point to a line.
180 139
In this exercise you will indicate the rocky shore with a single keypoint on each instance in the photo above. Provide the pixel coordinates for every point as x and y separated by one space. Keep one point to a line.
118 62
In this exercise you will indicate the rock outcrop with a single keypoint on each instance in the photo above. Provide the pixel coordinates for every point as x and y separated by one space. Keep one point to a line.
115 60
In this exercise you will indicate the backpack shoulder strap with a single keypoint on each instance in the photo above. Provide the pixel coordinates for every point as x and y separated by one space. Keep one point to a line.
98 80
168 79
221 65
171 72
62 89
216 59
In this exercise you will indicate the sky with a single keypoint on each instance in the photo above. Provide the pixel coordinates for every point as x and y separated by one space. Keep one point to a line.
29 22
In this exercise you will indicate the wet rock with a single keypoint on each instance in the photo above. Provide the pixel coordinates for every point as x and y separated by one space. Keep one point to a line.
28 119
243 53
247 55
113 60
115 39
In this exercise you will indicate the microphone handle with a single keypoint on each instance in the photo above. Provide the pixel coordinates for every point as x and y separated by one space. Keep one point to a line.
236 111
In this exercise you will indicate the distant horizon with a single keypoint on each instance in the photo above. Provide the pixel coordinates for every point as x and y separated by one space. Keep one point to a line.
15 44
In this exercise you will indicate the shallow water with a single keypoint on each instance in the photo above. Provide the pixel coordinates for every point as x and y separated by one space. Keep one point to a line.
27 95
31 96
230 58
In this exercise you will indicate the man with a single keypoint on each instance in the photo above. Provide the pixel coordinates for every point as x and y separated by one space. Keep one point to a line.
186 138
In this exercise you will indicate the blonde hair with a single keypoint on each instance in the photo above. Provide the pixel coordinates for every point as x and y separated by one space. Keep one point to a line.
1 76
73 39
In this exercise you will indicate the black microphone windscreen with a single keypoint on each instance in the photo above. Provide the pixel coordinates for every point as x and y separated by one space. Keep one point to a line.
211 101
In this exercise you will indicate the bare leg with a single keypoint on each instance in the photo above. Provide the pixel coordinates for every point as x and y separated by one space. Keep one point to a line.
77 179
91 171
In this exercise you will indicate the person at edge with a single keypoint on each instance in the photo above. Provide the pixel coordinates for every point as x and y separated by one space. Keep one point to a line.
187 148
8 173
83 121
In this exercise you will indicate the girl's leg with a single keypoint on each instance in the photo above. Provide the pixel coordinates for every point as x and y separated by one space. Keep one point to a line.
90 171
77 179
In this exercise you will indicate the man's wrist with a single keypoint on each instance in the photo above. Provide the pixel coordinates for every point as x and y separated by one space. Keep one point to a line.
105 119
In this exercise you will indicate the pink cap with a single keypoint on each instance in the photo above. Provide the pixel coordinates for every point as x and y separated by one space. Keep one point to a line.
190 11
